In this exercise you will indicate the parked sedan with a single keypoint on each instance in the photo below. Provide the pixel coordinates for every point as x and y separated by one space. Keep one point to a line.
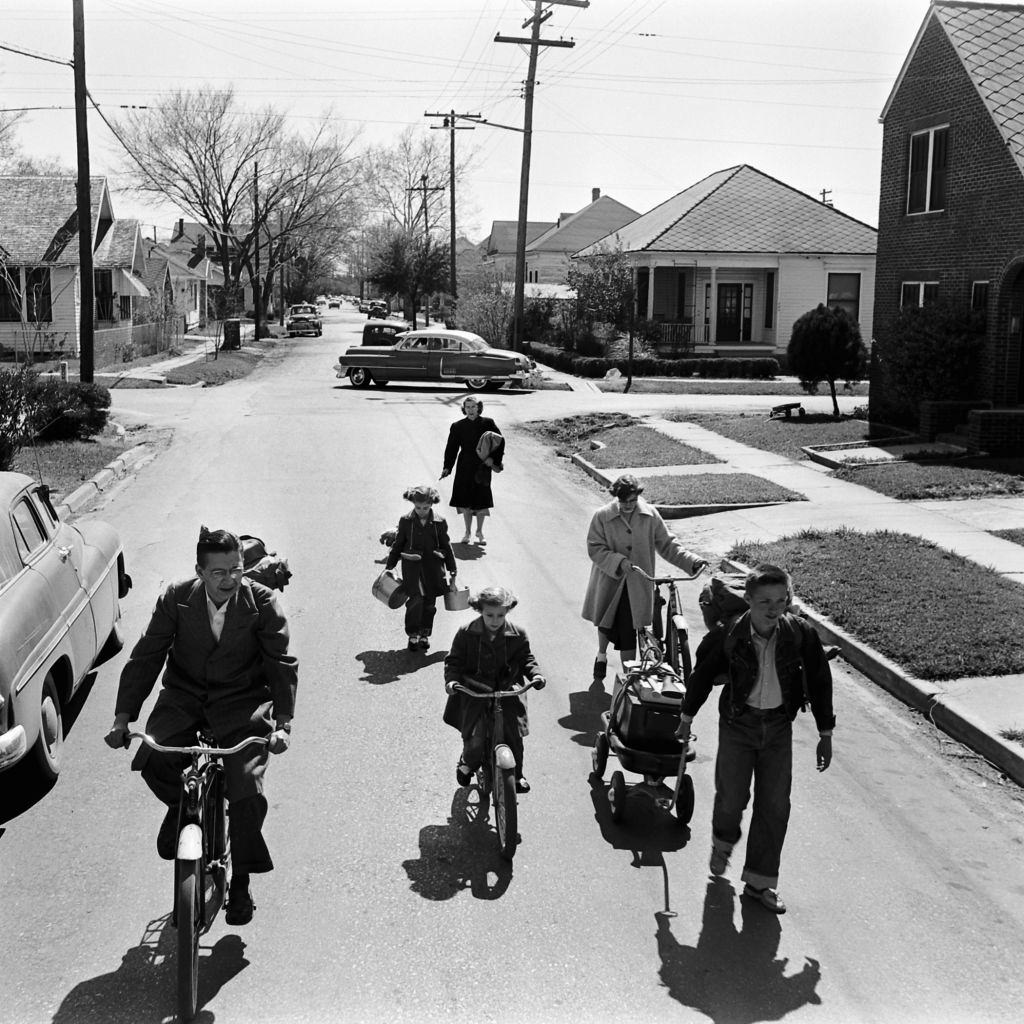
434 354
303 319
60 591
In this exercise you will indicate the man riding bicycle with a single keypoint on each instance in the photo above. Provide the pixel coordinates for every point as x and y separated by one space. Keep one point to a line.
225 643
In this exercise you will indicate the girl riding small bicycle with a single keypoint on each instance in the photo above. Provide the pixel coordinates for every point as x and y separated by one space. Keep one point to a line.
490 653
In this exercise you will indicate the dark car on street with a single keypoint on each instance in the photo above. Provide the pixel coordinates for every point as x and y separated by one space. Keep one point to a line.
384 332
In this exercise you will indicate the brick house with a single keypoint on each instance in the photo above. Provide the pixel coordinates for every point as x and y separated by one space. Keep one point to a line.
729 264
951 207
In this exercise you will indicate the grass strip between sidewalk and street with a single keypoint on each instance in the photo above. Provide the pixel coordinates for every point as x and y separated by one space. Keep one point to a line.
696 386
64 465
938 615
643 446
714 489
1016 536
981 477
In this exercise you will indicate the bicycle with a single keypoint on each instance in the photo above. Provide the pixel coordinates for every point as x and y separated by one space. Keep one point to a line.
497 772
203 853
667 639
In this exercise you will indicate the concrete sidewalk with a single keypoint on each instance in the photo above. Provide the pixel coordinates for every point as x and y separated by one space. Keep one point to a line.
973 711
193 347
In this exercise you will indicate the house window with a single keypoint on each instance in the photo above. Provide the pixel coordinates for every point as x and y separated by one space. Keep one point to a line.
918 293
927 178
38 296
103 286
979 300
748 310
124 307
10 294
844 292
769 300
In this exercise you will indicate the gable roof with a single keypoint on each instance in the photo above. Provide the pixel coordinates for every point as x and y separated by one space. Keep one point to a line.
989 40
504 232
121 246
576 230
39 220
741 209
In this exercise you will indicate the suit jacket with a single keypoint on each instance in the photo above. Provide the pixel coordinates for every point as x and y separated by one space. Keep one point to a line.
224 681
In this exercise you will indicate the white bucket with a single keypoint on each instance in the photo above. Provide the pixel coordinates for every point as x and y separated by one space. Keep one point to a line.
457 600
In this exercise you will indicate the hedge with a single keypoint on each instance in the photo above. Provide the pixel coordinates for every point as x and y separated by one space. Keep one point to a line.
691 366
67 410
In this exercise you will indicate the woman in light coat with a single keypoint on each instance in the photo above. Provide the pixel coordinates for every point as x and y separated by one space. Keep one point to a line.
619 600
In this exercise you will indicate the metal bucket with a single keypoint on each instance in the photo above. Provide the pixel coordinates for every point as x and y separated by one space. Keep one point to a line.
457 600
388 589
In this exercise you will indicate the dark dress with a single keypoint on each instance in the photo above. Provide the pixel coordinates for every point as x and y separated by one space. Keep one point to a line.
471 486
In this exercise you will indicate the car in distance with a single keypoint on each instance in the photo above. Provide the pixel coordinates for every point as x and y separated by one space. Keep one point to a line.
60 591
378 308
303 318
334 303
433 354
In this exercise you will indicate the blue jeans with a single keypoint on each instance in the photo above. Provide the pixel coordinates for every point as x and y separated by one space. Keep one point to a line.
419 615
754 745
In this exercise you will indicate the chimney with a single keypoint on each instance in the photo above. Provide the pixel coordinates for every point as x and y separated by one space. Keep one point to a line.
595 194
181 227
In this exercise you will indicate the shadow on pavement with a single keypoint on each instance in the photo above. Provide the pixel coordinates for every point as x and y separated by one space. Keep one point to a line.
467 552
143 988
647 831
378 394
585 710
734 977
383 667
462 854
22 786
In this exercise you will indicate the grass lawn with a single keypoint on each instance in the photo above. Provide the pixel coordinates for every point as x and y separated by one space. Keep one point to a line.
64 465
787 437
697 386
127 383
571 434
1017 536
226 367
938 615
643 446
915 481
714 489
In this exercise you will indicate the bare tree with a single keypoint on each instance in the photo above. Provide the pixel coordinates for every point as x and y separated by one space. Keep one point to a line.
8 128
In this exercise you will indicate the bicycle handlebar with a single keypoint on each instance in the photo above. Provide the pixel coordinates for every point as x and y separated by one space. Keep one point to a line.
491 694
217 751
666 579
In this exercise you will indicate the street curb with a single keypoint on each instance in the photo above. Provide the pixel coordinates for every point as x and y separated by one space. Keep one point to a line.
673 511
919 694
115 470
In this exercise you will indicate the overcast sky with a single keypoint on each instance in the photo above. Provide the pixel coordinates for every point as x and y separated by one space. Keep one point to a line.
654 95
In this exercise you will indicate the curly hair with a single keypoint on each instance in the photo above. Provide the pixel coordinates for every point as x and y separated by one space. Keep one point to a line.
493 595
472 398
625 485
422 493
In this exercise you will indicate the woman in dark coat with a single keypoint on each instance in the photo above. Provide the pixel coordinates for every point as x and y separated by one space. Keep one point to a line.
422 545
471 489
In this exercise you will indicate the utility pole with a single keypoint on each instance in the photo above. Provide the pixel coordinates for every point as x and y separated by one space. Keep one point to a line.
534 42
450 122
280 274
424 188
256 231
86 311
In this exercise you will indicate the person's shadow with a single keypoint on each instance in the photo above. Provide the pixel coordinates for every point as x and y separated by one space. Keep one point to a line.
383 667
461 854
143 988
585 710
467 552
734 977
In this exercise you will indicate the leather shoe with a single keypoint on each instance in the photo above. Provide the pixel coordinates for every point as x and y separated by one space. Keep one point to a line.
167 837
463 773
522 786
719 861
768 898
240 906
600 668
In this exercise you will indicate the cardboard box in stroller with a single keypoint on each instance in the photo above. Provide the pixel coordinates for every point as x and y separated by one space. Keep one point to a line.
647 724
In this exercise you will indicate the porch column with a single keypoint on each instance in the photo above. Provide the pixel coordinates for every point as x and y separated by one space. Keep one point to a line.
713 307
650 293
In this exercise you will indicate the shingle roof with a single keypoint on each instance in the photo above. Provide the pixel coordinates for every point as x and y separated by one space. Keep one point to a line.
576 230
989 39
504 232
741 209
117 247
37 218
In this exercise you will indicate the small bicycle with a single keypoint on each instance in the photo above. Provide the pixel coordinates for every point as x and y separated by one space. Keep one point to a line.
203 853
497 773
667 640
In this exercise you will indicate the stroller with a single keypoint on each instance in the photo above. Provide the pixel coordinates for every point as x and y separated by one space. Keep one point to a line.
640 730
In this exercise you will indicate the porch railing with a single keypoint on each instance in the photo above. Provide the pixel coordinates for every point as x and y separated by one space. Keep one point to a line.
674 339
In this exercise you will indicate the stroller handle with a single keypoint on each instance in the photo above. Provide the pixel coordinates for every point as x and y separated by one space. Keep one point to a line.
666 579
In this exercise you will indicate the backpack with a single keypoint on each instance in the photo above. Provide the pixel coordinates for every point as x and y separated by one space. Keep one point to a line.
262 566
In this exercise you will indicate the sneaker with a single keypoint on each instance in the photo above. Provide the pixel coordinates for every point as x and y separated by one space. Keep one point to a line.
719 861
463 773
424 642
600 668
240 906
167 837
414 643
522 786
768 898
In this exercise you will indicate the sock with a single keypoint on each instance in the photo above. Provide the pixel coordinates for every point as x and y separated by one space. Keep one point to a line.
601 657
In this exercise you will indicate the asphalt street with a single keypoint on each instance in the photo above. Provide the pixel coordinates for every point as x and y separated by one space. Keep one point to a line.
902 869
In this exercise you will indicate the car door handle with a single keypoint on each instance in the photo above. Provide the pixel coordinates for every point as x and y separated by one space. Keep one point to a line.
63 553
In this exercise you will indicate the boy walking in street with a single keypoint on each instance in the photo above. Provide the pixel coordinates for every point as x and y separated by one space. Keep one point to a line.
771 664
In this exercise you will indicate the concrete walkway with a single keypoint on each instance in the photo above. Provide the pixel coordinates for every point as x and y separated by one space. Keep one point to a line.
973 711
192 347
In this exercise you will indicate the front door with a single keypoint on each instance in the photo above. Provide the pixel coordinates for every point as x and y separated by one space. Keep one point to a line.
729 302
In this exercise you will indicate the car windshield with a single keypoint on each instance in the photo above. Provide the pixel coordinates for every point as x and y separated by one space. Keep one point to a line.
303 309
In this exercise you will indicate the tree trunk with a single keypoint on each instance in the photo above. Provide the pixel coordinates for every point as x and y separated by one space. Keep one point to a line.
835 401
629 363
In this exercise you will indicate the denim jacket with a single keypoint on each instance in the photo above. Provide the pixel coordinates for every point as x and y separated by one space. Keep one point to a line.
728 655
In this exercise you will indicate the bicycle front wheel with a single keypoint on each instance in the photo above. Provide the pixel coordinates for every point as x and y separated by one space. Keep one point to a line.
188 909
506 811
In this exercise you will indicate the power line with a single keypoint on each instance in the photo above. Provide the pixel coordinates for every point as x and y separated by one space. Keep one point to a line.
36 56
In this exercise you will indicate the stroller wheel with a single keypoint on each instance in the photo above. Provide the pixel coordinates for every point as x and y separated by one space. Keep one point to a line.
599 755
617 796
684 801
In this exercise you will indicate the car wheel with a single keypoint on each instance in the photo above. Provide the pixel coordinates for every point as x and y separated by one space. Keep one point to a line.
318 333
49 746
476 383
360 378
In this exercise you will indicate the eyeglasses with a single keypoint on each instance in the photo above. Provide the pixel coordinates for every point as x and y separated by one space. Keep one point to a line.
222 574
